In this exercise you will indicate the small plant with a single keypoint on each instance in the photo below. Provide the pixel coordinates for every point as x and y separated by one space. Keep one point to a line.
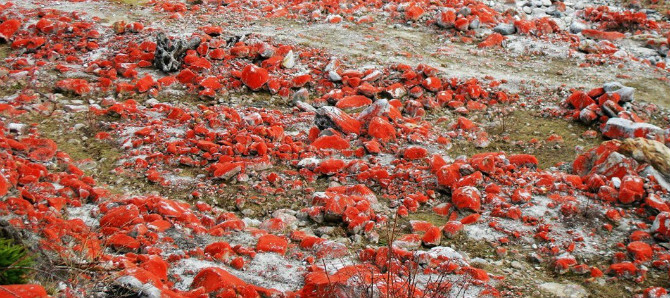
15 263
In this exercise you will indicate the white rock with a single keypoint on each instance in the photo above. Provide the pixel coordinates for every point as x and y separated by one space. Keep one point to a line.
289 60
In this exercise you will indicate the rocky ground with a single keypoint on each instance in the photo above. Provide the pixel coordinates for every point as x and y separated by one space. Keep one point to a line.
445 148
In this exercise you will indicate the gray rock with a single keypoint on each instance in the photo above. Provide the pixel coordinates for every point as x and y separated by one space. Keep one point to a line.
577 27
170 55
527 10
333 76
564 290
505 29
130 286
626 93
474 24
660 178
465 11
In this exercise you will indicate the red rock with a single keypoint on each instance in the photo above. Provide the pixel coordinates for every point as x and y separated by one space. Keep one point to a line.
237 263
414 12
211 83
580 100
340 119
631 189
23 291
217 54
606 35
652 201
381 129
354 101
462 24
448 175
431 237
655 292
123 242
145 83
331 142
414 152
433 84
661 225
478 274
4 186
625 269
219 250
119 217
330 166
452 228
523 160
372 147
492 40
447 18
521 195
563 263
470 219
8 28
77 86
254 77
465 124
525 26
157 266
214 279
640 251
619 128
466 198
225 170
272 243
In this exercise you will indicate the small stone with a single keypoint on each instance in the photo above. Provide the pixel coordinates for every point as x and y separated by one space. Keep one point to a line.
289 60
505 29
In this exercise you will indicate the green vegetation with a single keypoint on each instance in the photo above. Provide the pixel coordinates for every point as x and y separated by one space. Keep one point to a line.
14 262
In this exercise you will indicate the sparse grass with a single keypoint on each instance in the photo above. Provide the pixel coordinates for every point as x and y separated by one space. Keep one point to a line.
132 2
522 127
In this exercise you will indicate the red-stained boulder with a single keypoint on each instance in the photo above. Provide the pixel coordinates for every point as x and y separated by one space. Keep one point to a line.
619 128
433 84
272 243
145 83
119 217
606 35
23 291
214 279
661 225
354 101
631 190
331 142
432 237
466 198
219 250
254 77
332 117
123 242
77 86
640 251
580 100
452 228
492 40
381 129
415 152
8 28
